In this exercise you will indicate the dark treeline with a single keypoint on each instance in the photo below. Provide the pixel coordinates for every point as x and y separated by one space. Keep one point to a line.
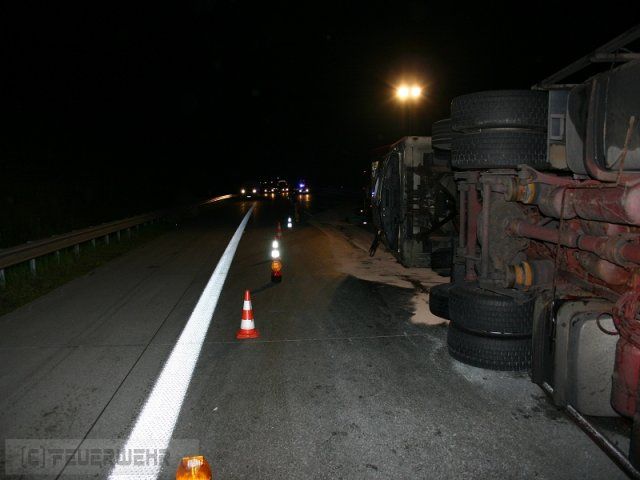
43 200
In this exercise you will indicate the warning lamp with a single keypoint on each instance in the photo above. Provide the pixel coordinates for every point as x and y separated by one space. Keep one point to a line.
289 225
276 271
275 244
194 468
275 253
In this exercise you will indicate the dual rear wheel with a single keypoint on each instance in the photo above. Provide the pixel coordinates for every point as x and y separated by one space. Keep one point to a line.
488 329
495 129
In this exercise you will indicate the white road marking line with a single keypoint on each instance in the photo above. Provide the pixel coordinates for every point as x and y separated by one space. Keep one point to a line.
155 423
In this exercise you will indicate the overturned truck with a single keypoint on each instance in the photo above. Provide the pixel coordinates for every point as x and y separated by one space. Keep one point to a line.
413 199
546 277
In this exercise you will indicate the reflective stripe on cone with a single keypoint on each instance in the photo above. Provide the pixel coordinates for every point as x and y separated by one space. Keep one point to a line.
247 324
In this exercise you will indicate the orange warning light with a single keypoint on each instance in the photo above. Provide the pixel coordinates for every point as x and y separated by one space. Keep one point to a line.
194 468
276 266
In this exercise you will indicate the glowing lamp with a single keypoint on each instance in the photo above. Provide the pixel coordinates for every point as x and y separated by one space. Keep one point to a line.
403 92
194 468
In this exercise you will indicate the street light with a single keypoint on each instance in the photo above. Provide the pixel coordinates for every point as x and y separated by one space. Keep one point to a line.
406 92
409 95
403 92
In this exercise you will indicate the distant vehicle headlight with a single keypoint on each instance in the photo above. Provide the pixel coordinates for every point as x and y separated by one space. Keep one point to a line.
306 190
254 190
243 191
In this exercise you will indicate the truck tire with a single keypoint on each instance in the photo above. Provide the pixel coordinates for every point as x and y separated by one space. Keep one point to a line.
489 352
442 259
458 272
442 157
487 313
458 267
439 300
500 109
502 148
441 134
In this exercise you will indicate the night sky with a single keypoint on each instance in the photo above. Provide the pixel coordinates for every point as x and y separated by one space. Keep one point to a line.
150 102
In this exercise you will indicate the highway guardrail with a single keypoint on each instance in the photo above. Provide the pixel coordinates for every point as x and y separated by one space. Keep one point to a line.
30 251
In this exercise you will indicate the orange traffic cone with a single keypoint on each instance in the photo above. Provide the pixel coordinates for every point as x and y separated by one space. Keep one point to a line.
247 325
278 231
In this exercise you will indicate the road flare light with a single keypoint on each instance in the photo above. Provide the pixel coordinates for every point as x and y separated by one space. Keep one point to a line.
194 468
276 263
276 270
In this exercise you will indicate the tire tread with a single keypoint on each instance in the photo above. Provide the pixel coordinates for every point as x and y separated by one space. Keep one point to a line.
500 109
439 300
487 352
485 312
499 149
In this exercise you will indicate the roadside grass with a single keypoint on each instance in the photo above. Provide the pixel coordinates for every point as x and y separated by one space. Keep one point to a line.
53 271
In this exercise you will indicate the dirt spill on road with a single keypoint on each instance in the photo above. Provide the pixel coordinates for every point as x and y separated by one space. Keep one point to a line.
421 313
350 247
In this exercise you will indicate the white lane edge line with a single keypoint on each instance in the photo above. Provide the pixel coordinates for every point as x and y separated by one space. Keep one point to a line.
157 419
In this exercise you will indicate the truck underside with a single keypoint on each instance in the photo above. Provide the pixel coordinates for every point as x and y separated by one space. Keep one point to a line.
546 275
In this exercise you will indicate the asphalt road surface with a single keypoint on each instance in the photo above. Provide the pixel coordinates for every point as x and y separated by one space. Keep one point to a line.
339 385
